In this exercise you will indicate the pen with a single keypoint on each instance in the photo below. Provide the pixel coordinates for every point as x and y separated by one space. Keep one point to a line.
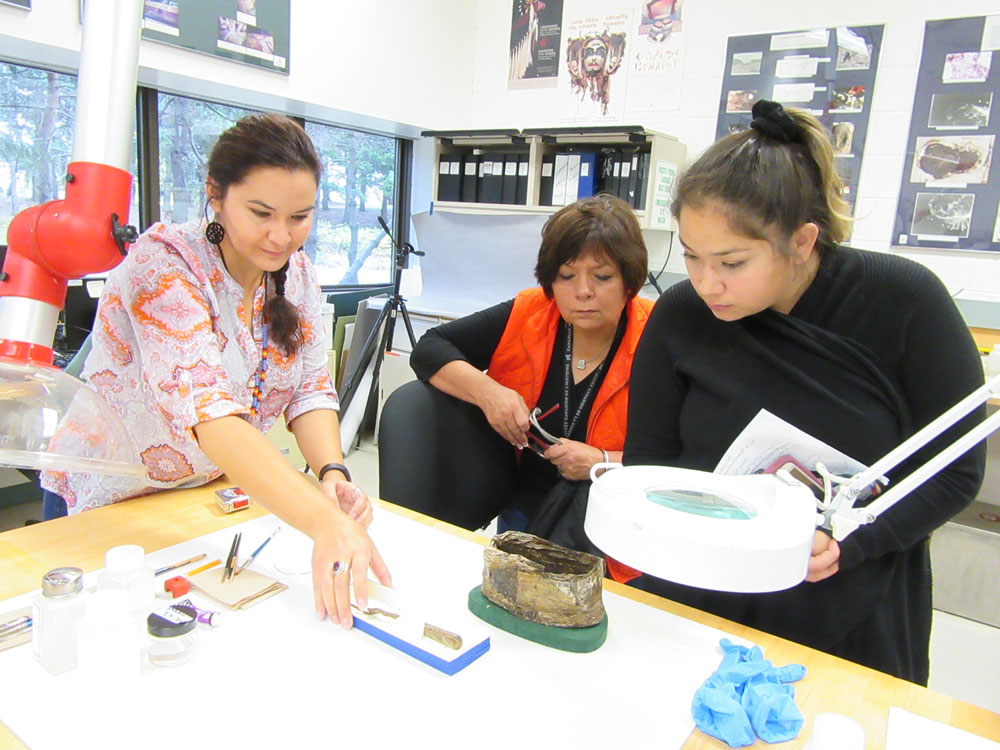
13 624
24 627
181 564
228 572
206 566
254 554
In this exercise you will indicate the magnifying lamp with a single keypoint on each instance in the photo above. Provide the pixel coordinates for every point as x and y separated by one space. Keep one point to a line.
751 533
48 419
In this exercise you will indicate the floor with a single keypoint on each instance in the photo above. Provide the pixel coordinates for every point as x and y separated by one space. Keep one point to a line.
965 655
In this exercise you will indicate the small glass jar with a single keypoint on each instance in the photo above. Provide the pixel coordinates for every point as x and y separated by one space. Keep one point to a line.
173 637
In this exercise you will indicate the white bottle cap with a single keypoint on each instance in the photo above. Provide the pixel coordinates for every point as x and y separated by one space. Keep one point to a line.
125 558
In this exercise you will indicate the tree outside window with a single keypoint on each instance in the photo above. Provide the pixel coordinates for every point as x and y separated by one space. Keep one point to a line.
37 116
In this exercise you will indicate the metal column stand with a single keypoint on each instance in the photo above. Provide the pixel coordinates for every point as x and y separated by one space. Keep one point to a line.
377 345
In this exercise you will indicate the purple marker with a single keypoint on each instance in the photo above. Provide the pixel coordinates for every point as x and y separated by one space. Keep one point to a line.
205 616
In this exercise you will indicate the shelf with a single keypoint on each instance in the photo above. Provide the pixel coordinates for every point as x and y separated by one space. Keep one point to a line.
526 162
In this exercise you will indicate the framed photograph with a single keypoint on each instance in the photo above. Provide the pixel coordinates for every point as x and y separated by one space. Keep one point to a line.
849 58
966 67
164 12
842 137
960 110
741 100
746 64
959 159
847 99
942 214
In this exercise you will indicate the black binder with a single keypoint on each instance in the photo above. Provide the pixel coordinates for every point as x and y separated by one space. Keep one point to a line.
641 182
509 191
492 188
470 177
521 194
633 179
449 178
545 182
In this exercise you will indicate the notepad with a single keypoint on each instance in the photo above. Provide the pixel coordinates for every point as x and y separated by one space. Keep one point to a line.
239 592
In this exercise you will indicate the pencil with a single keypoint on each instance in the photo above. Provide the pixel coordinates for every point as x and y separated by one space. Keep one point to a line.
181 564
206 566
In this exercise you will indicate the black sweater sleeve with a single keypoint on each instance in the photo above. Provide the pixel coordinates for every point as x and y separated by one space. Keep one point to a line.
472 339
938 365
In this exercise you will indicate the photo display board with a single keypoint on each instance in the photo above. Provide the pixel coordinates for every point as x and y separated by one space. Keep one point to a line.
247 31
950 187
829 72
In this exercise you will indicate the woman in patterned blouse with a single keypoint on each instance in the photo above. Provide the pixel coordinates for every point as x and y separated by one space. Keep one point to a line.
206 334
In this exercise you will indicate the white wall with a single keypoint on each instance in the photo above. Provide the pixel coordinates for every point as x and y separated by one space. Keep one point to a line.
707 26
367 64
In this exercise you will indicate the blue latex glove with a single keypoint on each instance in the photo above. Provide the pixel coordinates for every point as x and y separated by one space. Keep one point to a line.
748 694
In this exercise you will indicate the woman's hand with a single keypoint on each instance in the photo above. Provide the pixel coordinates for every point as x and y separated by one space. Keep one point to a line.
506 412
825 560
573 459
349 498
342 551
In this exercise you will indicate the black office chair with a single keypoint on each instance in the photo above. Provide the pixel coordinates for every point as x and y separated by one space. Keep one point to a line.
439 456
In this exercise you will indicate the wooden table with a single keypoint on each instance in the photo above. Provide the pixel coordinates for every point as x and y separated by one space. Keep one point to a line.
168 518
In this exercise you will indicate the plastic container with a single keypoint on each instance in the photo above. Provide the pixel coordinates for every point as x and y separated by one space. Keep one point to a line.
55 613
109 638
173 635
125 568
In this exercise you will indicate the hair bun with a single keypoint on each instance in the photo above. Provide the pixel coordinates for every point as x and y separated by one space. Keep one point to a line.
771 119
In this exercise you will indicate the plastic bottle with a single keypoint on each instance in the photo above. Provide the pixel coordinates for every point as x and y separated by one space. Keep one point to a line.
125 568
109 637
55 613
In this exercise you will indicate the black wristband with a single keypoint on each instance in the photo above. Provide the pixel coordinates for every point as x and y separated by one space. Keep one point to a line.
334 467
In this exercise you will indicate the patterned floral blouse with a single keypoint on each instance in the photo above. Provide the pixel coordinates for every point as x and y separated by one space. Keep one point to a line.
171 350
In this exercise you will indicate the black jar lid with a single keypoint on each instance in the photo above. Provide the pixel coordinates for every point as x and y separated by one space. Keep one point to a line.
169 622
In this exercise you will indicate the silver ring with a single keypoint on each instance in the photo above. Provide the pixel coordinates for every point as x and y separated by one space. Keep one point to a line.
339 567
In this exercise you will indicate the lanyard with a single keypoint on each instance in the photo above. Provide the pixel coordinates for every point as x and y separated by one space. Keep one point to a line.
567 375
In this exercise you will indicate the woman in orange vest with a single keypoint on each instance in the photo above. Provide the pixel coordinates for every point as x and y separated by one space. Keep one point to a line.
565 348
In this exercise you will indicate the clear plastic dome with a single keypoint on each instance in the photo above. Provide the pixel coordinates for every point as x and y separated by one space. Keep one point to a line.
51 420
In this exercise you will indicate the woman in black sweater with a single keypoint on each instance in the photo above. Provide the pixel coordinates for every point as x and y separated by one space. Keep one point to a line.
859 349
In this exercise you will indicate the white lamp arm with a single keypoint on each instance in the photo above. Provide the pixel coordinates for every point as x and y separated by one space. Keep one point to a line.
844 518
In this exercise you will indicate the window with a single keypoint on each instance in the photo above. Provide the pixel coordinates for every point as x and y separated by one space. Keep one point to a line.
359 184
188 129
37 115
347 244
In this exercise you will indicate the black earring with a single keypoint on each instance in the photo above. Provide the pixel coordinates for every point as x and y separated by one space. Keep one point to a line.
215 232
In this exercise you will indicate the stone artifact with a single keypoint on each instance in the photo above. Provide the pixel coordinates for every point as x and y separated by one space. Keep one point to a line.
542 582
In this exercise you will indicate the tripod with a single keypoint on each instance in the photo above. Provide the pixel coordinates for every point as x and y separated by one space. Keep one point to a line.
385 324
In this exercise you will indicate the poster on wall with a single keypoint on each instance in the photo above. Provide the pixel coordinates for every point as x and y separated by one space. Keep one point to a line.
828 71
655 59
593 79
17 3
247 31
949 196
535 33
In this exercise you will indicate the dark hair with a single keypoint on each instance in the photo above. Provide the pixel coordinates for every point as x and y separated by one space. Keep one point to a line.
602 223
769 181
266 140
